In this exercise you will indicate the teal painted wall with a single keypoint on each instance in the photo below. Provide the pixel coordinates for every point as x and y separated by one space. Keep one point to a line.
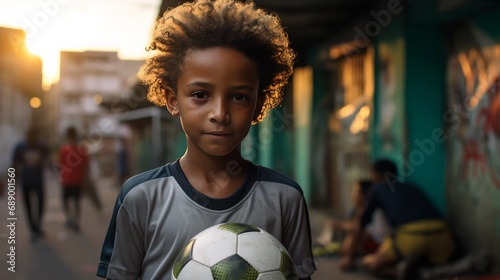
180 144
388 139
302 160
489 22
319 130
248 146
282 148
265 139
269 143
302 108
425 100
416 134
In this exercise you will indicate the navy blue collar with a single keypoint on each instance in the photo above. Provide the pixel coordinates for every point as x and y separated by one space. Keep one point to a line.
215 203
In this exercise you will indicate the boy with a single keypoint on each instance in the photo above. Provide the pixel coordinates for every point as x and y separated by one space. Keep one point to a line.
419 232
219 66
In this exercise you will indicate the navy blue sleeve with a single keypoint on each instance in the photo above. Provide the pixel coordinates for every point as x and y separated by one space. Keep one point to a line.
372 203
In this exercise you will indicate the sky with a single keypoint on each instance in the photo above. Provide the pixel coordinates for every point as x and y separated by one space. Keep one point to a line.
124 26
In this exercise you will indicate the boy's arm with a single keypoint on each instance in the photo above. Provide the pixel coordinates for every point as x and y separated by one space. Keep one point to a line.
123 249
298 239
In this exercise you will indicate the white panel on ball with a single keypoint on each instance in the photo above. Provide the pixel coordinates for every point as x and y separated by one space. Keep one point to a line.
194 270
267 260
220 245
274 275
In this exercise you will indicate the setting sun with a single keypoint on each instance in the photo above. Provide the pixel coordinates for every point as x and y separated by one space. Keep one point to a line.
48 51
80 26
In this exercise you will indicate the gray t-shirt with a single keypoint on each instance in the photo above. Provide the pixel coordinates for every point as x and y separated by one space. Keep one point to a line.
158 212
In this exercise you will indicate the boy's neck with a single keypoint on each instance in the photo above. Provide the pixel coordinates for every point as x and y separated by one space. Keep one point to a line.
216 177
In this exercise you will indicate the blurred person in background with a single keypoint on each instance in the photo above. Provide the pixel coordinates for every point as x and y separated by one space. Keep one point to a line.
29 159
418 231
370 240
73 161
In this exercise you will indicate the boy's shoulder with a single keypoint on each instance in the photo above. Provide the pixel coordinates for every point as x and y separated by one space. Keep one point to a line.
146 176
273 176
152 174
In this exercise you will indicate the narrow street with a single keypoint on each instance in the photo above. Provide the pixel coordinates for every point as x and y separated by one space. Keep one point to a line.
61 254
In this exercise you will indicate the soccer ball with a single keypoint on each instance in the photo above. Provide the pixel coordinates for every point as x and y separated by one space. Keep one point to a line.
233 251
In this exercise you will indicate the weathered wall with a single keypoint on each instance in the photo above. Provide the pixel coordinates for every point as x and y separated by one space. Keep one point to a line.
473 120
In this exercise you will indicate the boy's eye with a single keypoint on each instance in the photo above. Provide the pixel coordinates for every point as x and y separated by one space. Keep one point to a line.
199 95
240 97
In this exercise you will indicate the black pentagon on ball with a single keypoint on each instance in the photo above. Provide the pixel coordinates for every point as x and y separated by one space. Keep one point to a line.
238 228
234 267
287 267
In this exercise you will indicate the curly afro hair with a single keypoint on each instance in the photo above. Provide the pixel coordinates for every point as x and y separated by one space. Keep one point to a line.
205 24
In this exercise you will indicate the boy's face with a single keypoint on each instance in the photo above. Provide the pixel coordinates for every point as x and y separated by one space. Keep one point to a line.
216 98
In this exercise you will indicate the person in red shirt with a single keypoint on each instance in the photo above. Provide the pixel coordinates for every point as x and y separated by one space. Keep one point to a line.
73 161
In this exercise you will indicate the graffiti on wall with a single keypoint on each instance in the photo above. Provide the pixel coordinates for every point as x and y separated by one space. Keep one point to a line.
473 126
480 147
475 105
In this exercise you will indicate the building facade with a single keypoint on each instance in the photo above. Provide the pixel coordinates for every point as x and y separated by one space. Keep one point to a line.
20 83
86 80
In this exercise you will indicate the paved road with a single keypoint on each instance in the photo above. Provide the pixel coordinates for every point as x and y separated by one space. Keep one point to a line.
63 254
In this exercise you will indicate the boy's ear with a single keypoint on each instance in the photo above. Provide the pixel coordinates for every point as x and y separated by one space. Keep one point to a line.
171 99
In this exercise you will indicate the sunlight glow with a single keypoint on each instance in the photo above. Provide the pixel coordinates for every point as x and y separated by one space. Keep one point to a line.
48 51
52 26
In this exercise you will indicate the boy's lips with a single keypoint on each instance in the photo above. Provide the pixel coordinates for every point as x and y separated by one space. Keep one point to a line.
217 135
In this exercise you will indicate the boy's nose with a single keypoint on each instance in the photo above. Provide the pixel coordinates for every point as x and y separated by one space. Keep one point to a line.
219 112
